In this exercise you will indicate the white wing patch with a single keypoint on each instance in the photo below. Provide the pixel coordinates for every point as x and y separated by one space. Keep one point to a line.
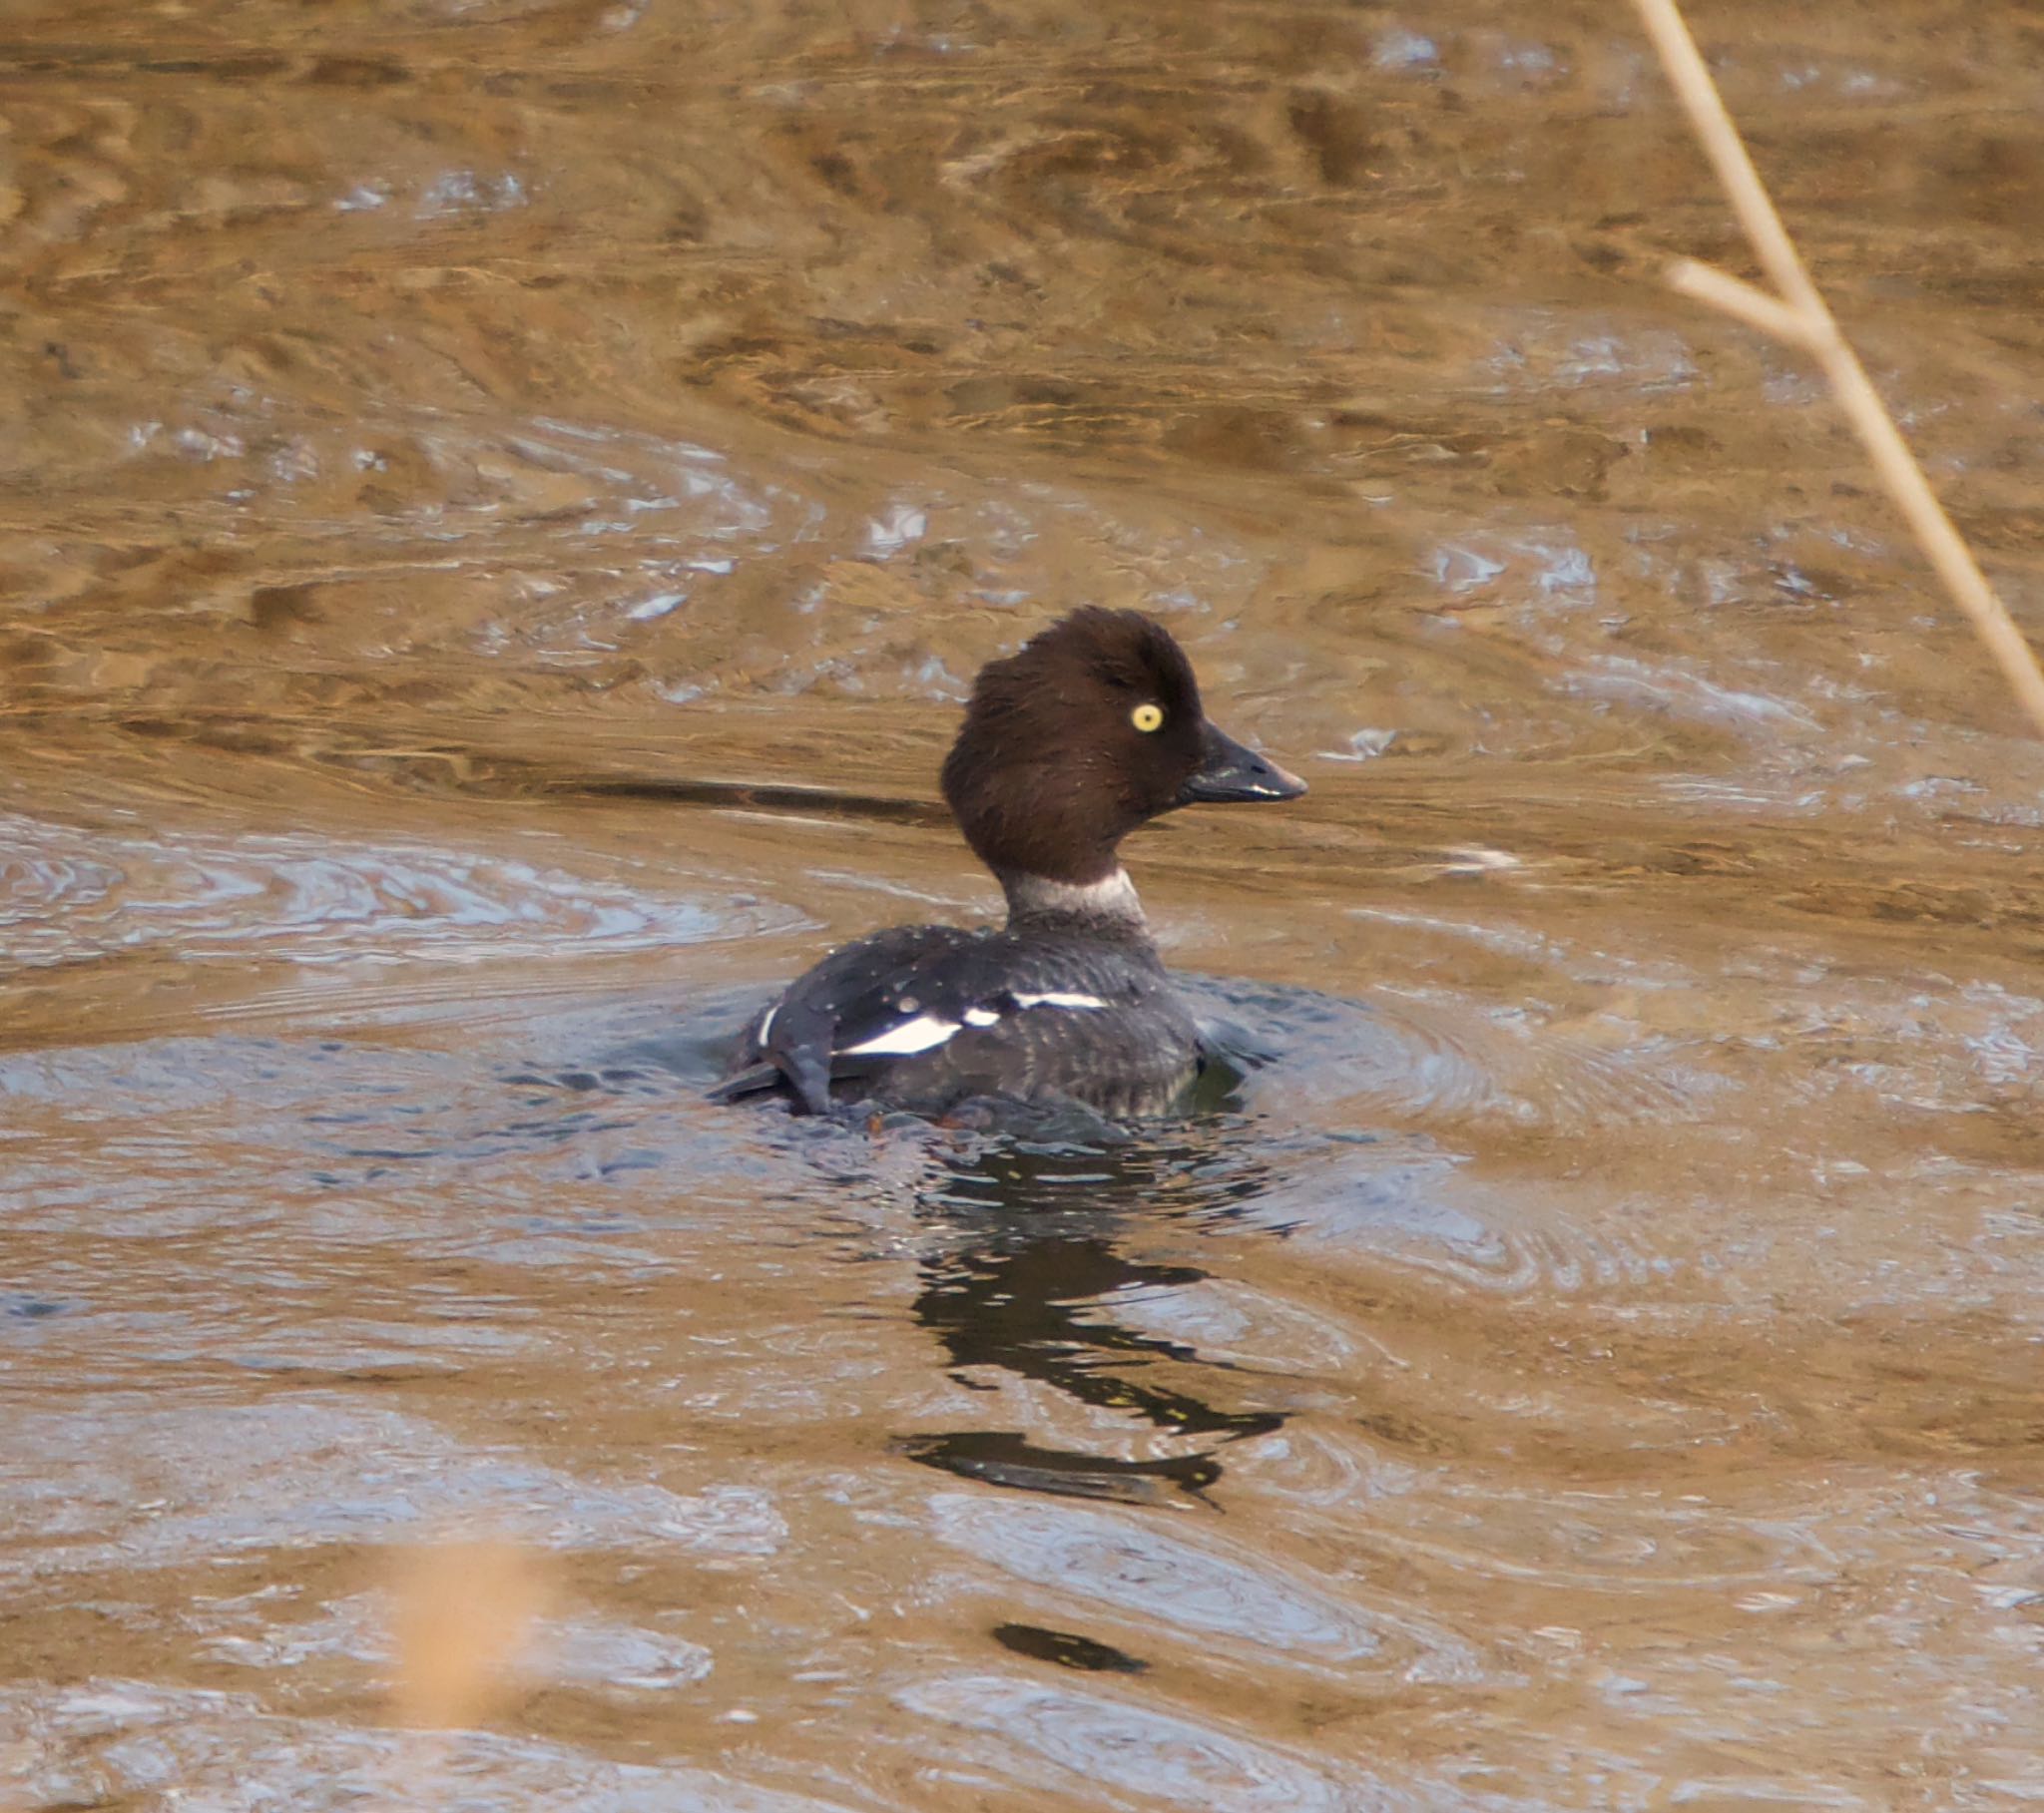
765 1027
925 1033
922 1034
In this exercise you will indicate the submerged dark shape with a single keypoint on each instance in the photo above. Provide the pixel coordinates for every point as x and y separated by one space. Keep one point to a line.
1092 728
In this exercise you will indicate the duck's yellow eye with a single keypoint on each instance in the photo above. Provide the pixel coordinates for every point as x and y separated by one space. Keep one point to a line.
1147 718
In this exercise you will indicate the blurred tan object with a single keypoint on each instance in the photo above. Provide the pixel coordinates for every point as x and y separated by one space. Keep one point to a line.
16 1760
461 1619
1797 315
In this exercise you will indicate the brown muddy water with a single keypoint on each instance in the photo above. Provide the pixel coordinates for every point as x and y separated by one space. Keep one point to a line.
501 501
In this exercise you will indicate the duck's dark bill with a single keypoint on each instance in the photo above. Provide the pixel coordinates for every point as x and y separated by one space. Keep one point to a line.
1228 772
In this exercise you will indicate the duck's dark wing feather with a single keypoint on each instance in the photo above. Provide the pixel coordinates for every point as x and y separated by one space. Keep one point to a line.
874 998
933 1013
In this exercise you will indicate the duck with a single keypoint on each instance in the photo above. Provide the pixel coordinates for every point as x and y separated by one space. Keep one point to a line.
1091 730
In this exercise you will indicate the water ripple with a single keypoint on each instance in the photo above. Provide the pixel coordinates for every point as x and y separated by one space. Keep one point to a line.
1104 1738
72 895
233 1752
1129 1564
168 1487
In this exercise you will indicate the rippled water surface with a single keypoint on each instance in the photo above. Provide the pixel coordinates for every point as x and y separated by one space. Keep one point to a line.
499 502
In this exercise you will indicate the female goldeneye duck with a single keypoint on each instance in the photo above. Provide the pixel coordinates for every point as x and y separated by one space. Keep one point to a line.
1091 730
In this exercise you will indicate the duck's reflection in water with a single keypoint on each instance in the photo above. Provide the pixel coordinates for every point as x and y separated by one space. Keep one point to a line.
1038 1234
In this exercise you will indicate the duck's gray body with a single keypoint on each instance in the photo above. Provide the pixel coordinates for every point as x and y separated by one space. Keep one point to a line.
1093 728
925 1017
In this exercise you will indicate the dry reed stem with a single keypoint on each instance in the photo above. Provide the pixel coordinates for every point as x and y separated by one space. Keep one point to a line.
1797 317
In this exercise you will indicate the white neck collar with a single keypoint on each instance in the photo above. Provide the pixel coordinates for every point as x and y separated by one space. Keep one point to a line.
1111 900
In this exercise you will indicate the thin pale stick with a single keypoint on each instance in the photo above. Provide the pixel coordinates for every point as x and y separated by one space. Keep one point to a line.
1736 297
1799 318
1726 152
